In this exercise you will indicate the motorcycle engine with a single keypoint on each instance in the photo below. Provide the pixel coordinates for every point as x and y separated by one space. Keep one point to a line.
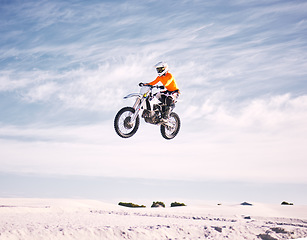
151 116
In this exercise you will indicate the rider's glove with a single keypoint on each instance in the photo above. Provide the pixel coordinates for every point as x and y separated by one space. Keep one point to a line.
141 84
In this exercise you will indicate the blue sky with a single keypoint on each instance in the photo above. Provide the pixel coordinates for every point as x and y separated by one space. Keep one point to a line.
240 65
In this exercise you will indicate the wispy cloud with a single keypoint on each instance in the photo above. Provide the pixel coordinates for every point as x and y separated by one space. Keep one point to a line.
268 132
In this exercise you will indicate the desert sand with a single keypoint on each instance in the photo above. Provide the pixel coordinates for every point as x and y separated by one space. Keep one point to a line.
90 219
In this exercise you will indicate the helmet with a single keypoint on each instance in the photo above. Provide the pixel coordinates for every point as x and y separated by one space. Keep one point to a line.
161 68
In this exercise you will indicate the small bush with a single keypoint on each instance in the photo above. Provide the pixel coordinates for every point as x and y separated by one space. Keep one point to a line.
177 204
131 205
219 229
266 237
158 204
286 203
279 230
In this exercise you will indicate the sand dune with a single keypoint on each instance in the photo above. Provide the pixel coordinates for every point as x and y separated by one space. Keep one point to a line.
89 219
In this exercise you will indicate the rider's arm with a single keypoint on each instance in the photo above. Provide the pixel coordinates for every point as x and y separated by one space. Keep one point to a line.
154 82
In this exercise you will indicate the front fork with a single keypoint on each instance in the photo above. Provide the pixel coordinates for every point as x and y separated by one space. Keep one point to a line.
137 108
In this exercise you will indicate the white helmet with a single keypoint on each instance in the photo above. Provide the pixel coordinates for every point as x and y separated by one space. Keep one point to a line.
161 68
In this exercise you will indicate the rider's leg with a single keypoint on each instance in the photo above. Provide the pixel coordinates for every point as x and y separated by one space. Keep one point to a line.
161 96
168 99
168 108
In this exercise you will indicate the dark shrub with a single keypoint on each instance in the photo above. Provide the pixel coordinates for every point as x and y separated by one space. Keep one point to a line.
177 204
158 204
131 205
279 230
265 237
219 229
286 203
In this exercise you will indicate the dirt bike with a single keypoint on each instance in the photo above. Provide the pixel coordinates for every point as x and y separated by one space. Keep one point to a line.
127 120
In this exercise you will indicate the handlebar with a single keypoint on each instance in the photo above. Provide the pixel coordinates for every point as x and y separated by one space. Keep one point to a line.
151 86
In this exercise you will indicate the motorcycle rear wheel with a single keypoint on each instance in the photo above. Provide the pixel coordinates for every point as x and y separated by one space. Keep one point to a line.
169 132
123 125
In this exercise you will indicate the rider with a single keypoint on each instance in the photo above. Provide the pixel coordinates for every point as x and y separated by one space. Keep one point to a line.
169 96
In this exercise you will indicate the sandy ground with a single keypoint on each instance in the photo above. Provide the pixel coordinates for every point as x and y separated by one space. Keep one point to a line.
89 219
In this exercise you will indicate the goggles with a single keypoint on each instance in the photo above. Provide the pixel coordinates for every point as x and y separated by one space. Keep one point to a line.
160 69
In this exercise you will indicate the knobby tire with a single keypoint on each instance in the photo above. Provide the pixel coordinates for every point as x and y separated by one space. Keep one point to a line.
121 122
170 133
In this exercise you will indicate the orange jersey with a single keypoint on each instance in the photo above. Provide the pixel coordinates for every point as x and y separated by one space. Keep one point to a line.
167 80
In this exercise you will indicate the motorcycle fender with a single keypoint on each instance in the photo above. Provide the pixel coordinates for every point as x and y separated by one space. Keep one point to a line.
133 95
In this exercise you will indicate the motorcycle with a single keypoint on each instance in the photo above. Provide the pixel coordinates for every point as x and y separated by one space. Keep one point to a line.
127 120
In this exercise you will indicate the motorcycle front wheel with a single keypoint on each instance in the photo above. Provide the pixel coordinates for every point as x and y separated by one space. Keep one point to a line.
171 130
123 125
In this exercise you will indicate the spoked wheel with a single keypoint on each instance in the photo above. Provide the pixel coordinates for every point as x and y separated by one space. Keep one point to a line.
172 128
123 125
